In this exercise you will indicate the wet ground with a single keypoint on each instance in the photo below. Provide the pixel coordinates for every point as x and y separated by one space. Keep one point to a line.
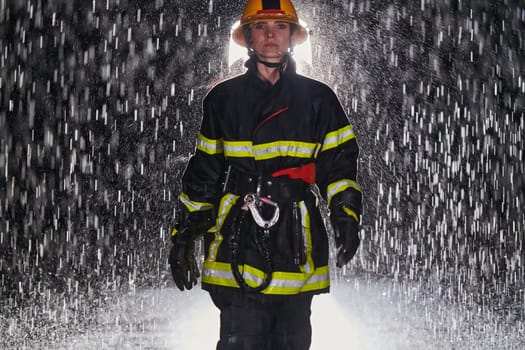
358 314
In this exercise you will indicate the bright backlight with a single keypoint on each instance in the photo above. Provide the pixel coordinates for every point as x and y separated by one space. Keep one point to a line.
302 53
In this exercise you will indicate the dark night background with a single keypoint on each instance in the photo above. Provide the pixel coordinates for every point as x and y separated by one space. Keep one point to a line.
100 105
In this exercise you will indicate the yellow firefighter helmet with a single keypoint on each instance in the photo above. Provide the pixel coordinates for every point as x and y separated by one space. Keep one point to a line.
278 10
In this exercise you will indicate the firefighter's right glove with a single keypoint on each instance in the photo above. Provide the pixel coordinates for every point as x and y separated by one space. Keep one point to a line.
345 212
182 261
183 265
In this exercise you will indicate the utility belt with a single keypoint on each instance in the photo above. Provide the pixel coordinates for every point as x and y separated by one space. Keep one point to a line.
260 191
278 189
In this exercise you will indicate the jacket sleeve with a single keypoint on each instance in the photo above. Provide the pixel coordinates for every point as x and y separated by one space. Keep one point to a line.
202 177
336 164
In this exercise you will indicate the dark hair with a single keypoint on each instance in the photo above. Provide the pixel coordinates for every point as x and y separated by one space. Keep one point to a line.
293 27
246 32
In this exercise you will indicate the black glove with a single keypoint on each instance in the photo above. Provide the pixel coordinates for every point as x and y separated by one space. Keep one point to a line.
345 210
182 259
183 265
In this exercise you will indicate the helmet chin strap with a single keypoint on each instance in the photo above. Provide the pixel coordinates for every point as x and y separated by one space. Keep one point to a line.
281 64
269 64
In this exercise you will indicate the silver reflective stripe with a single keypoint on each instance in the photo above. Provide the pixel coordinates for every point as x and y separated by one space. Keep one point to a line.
307 238
317 278
339 186
282 282
209 146
284 149
218 273
270 150
298 284
227 201
252 278
338 137
238 149
192 205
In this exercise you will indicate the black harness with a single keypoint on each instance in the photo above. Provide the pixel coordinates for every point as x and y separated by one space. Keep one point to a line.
261 195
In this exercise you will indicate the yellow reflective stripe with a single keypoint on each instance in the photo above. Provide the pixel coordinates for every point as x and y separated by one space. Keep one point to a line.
252 276
236 149
338 137
193 205
284 149
264 151
282 282
351 213
218 274
227 201
307 239
339 186
209 146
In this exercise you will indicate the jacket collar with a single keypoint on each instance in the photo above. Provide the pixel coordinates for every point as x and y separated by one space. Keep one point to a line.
251 64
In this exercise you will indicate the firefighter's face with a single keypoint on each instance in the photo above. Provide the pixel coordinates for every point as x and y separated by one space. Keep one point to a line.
270 39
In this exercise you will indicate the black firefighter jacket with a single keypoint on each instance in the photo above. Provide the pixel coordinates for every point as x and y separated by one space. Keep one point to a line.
257 129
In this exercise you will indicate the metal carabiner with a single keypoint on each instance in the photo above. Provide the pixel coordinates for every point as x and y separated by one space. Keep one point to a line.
252 201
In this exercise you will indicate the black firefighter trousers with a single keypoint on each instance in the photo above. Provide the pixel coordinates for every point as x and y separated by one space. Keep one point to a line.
263 322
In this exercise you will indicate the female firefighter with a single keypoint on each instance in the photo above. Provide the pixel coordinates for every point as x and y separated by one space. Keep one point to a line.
266 138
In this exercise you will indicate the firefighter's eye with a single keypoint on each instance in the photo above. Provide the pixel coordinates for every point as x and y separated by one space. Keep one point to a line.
259 26
282 26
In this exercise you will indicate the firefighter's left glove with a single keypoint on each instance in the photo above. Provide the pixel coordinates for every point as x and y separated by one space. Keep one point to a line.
345 212
182 261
